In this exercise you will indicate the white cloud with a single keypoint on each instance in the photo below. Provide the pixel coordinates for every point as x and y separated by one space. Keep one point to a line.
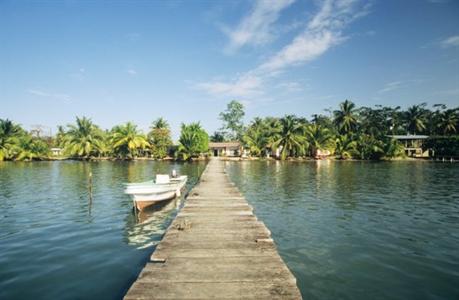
323 32
452 41
256 28
388 87
132 72
304 48
56 96
290 86
438 1
395 85
243 86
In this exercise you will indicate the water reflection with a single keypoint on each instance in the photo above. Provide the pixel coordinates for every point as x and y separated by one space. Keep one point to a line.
145 228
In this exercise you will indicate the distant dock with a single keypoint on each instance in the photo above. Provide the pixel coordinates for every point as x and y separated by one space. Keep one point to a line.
215 249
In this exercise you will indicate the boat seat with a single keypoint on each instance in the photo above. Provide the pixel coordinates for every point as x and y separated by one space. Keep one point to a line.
161 179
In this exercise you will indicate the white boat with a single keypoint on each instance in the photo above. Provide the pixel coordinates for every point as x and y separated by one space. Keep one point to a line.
148 193
161 180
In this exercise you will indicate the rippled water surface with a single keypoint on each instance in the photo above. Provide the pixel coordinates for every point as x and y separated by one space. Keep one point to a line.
56 244
361 230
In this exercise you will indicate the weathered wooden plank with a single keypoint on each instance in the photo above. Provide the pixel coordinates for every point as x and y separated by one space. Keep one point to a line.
230 224
196 232
256 229
213 290
215 190
164 254
216 208
224 269
212 203
219 206
210 219
228 236
215 213
178 244
216 197
214 194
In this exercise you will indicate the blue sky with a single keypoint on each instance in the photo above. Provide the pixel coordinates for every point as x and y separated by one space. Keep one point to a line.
119 61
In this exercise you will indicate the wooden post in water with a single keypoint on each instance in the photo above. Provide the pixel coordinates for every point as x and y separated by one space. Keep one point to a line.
90 190
135 209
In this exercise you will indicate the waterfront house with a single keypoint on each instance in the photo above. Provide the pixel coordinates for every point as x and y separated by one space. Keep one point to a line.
56 151
231 149
322 153
413 144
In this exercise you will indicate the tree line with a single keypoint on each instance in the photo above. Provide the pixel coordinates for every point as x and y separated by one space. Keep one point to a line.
347 132
86 140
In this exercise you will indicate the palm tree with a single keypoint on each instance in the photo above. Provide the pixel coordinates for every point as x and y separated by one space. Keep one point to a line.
84 139
318 138
345 147
345 118
291 139
31 148
217 137
378 121
159 138
393 148
126 140
60 136
255 141
256 137
272 129
448 121
369 147
9 138
395 119
160 123
193 141
415 118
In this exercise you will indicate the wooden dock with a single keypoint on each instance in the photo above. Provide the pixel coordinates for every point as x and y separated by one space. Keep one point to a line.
215 249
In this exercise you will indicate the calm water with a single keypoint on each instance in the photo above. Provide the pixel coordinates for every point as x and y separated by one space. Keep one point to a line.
360 230
54 244
348 230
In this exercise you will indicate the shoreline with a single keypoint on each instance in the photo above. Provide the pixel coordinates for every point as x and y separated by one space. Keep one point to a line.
297 159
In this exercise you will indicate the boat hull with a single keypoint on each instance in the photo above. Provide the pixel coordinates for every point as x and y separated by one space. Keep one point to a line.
143 201
147 193
145 187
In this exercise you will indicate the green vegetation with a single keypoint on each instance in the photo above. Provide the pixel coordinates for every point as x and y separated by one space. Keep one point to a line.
127 141
444 145
233 126
290 139
353 132
345 118
348 132
193 142
84 139
217 137
17 144
159 138
318 138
